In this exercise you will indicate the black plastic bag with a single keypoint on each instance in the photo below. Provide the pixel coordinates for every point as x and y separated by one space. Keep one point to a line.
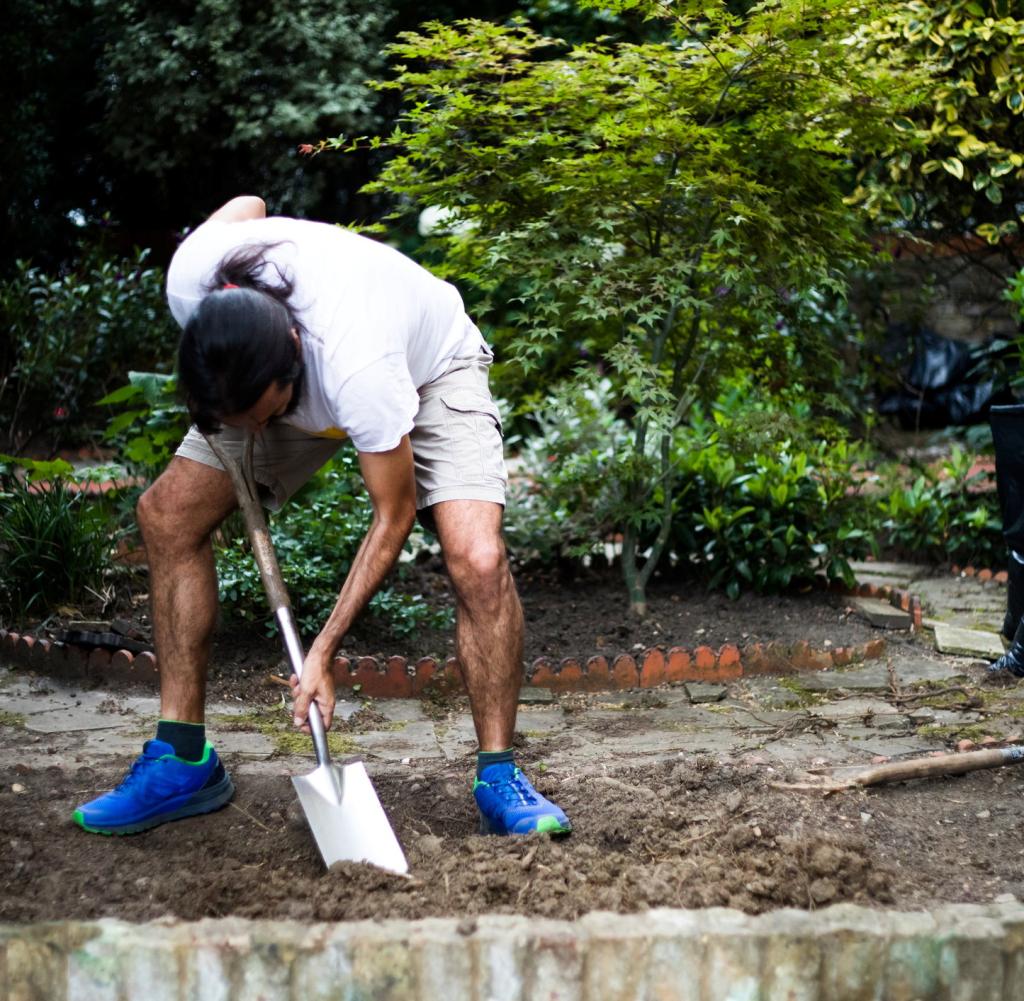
942 385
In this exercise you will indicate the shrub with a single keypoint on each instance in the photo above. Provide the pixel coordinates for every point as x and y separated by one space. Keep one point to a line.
151 423
566 499
650 204
54 542
316 537
761 502
768 520
949 513
72 337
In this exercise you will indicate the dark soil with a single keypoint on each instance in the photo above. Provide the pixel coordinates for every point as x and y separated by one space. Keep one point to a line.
691 834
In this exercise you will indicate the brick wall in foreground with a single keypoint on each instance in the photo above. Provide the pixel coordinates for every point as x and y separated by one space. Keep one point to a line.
844 953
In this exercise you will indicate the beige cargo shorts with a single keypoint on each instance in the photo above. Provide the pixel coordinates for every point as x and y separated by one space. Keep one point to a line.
456 444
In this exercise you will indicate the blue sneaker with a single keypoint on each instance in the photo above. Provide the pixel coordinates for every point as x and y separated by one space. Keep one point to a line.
159 787
510 805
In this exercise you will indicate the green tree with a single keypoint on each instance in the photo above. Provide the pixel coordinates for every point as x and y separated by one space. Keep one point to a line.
956 164
655 203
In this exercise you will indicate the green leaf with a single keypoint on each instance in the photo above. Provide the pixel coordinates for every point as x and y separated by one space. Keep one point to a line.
121 394
953 166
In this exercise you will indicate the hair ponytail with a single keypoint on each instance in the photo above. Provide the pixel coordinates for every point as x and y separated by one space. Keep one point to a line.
247 267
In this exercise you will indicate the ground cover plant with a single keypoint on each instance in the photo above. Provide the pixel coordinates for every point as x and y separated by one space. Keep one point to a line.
55 543
316 536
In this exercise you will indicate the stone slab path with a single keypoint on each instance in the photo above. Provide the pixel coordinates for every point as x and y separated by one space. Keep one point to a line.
837 716
841 715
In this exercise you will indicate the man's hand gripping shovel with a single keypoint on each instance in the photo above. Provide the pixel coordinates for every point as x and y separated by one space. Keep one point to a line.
340 803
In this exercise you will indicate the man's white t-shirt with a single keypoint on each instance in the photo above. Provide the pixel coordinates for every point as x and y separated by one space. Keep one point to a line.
377 325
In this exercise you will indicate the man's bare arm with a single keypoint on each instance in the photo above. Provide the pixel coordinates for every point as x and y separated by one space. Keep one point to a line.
240 209
391 484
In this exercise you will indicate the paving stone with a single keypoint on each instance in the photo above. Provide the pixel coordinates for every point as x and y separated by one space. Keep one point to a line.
414 740
913 669
873 677
530 695
965 603
401 710
855 709
699 692
968 642
882 614
72 719
457 739
870 742
893 574
244 743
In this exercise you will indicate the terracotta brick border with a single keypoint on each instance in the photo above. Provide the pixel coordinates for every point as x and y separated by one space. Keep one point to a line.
402 678
399 677
999 576
897 597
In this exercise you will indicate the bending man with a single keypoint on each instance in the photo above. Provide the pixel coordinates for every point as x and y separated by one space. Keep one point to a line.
305 334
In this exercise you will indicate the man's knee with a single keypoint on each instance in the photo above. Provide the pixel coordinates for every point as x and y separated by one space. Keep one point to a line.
175 514
159 523
479 568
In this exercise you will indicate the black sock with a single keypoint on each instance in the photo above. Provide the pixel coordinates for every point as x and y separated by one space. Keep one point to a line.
485 758
187 739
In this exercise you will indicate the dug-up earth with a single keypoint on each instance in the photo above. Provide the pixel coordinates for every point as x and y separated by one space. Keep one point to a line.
677 795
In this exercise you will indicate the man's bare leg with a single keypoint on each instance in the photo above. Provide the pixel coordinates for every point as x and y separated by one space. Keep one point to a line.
489 617
177 516
489 644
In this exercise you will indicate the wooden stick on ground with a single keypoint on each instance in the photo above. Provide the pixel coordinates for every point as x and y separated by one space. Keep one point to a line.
915 768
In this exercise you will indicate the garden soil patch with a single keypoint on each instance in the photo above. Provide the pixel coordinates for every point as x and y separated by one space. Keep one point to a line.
690 833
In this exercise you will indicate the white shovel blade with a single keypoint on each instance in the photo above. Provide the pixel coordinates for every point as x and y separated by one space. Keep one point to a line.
346 818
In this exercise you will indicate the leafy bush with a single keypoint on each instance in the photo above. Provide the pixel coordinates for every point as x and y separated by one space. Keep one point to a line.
765 521
72 337
147 431
948 513
316 537
651 204
54 541
564 498
761 502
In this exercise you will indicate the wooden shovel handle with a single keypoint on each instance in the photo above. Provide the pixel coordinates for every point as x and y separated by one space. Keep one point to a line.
247 492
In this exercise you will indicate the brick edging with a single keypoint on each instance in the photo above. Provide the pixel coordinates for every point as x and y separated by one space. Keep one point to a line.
843 951
898 597
984 574
400 677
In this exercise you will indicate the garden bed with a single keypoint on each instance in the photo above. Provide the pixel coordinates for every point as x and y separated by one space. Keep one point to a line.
688 832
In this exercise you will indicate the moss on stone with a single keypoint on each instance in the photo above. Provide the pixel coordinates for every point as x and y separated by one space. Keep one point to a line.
802 697
276 725
294 742
951 731
11 719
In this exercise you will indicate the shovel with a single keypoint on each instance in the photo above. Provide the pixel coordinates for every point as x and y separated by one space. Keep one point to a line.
341 806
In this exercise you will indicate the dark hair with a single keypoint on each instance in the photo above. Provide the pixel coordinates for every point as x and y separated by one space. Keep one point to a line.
238 341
